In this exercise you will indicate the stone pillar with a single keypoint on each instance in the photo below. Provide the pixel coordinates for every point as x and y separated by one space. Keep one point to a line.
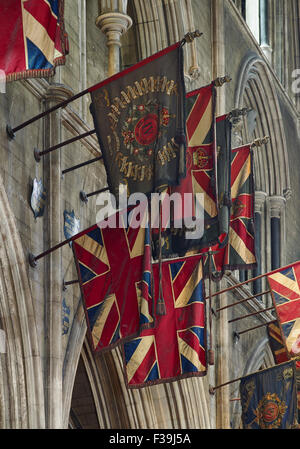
276 204
220 336
113 22
259 206
56 93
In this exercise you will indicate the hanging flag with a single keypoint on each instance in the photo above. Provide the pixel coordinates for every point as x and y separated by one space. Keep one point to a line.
285 291
269 398
200 179
277 346
34 40
239 252
114 271
176 347
139 117
205 161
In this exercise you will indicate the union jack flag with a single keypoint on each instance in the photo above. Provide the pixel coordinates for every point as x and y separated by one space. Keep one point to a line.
207 159
276 344
114 270
239 252
175 347
285 290
34 40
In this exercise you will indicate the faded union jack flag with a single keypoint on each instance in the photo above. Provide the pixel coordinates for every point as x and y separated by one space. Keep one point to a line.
239 253
33 38
175 347
114 270
284 285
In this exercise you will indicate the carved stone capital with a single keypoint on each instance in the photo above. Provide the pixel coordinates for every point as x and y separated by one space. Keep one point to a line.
113 25
259 202
276 204
57 93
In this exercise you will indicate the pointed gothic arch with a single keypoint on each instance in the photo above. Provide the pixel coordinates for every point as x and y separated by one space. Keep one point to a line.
21 384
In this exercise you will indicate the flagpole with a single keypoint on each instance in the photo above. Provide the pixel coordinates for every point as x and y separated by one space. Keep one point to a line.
211 354
250 314
66 283
255 144
11 131
67 170
84 196
244 300
188 38
233 287
256 327
212 389
38 154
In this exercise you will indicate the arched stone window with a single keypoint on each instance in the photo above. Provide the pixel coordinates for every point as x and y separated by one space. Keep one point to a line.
256 91
256 13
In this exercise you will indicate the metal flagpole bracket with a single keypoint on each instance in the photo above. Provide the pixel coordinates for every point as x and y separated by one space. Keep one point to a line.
211 390
222 80
190 36
36 153
260 142
11 135
32 260
83 196
236 114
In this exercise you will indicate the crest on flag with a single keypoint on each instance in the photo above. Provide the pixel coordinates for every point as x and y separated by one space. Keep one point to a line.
114 269
269 399
142 137
34 40
38 198
285 290
176 347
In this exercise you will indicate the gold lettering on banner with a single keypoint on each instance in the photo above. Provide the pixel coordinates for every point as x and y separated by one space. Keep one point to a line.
139 88
131 93
163 83
145 84
131 170
125 96
167 153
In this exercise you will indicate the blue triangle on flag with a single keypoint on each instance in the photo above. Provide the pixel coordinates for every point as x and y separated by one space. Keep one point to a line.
129 348
93 313
287 327
153 375
36 58
187 366
86 274
199 332
96 235
197 295
175 268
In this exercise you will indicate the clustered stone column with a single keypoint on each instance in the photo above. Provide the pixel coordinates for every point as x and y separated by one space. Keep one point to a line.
113 22
259 214
276 205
